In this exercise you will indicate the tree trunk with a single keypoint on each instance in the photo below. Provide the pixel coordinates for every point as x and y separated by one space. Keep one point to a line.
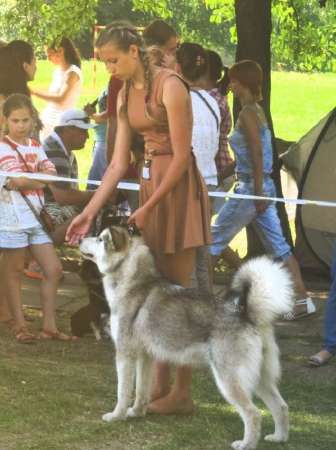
254 26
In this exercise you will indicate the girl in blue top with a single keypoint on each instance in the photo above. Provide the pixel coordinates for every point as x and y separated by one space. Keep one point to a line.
251 142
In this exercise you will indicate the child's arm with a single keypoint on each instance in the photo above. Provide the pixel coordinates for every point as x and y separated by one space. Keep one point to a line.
23 184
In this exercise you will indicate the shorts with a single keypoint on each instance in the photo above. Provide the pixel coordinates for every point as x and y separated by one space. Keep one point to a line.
236 214
24 238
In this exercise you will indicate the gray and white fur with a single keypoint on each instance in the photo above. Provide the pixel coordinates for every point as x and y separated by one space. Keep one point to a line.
153 319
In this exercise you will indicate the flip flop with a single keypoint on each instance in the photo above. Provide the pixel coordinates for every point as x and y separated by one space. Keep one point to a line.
46 335
318 361
23 336
310 309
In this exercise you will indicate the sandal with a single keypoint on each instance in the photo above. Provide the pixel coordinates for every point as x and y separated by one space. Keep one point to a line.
47 335
310 309
318 360
23 336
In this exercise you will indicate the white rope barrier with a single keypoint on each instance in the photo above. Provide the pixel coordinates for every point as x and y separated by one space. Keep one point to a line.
135 187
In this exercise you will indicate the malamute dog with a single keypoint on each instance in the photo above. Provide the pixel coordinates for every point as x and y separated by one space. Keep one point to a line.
152 318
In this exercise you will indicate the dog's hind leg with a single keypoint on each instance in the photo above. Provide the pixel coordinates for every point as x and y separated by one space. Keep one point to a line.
271 396
126 374
231 389
269 393
144 377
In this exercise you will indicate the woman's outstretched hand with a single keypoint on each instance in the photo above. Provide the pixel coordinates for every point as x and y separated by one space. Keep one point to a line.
78 229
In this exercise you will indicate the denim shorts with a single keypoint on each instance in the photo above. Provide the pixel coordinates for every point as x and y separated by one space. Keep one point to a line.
236 214
24 238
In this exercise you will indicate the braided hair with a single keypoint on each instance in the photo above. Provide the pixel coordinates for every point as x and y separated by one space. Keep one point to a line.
123 35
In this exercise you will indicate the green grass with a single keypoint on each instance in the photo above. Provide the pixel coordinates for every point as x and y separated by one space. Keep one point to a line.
53 395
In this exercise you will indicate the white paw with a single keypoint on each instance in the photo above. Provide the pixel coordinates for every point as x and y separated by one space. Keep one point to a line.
113 416
136 412
241 445
276 438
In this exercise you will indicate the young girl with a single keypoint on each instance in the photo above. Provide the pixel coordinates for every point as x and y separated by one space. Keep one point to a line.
66 84
191 64
252 145
19 228
174 214
162 42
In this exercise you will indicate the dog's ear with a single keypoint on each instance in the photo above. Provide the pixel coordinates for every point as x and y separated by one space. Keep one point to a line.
120 238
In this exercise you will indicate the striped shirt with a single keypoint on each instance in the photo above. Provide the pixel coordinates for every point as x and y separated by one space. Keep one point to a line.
14 212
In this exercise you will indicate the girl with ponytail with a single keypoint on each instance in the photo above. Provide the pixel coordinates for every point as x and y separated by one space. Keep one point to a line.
66 84
173 214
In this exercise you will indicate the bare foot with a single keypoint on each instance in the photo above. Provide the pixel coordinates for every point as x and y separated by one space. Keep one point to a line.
172 404
159 392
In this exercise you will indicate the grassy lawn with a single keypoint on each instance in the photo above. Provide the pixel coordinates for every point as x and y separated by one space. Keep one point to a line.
53 396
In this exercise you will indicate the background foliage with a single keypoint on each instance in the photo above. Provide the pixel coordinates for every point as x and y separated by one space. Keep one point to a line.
304 33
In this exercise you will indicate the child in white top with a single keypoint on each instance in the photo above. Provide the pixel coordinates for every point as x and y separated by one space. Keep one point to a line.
19 228
66 85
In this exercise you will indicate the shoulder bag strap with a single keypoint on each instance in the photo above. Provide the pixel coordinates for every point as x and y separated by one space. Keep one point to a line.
208 105
15 148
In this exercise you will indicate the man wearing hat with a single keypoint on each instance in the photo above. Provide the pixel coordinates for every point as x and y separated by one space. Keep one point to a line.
64 200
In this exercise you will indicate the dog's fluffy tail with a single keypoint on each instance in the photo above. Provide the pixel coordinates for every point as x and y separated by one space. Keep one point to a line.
266 290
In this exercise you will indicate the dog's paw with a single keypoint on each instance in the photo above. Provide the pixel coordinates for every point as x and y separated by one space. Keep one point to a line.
113 416
241 445
276 437
136 412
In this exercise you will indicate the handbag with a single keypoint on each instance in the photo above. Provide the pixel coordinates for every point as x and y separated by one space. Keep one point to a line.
43 217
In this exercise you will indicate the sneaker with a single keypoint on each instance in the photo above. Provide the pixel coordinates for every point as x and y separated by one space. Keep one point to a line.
309 310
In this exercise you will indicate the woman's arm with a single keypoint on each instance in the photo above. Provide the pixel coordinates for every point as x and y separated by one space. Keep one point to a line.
116 168
63 94
80 226
249 124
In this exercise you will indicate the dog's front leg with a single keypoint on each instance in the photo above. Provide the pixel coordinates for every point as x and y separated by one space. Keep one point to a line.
144 376
125 374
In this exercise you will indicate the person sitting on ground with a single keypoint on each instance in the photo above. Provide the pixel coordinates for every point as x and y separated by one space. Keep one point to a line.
64 200
328 350
251 142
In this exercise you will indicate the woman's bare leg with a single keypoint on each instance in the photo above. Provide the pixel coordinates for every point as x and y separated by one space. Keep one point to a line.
177 268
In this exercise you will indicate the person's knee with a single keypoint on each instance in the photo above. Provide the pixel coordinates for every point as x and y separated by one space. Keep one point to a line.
54 272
